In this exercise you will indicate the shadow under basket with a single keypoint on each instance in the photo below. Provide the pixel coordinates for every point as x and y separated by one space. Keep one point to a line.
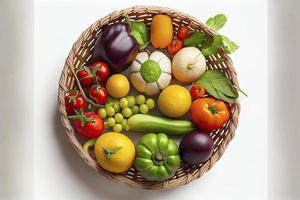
81 53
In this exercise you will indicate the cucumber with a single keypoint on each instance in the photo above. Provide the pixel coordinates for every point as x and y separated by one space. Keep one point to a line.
155 124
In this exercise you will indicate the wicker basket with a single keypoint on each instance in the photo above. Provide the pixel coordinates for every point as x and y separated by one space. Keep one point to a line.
81 52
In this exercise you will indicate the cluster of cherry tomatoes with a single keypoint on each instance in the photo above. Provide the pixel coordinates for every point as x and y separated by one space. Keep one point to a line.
88 125
177 44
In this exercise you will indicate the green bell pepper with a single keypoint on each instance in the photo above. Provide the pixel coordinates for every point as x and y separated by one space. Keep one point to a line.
157 157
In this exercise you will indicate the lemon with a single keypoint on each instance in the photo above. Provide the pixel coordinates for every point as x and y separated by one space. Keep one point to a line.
117 86
174 101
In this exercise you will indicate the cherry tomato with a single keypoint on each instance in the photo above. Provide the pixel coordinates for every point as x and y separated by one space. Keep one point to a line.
197 91
98 94
102 72
74 101
85 77
174 46
89 125
183 33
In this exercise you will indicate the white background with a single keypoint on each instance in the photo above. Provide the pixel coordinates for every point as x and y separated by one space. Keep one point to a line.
55 171
61 174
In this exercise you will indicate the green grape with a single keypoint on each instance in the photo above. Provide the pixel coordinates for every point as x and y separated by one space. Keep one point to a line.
119 117
110 111
116 106
106 125
107 105
135 109
131 101
125 124
117 128
140 99
127 112
123 102
111 121
102 113
150 103
144 108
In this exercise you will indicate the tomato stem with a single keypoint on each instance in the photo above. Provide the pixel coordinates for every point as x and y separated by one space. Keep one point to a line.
109 152
82 92
213 110
82 117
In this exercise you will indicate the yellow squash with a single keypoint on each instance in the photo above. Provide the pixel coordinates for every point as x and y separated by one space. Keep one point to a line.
114 152
161 31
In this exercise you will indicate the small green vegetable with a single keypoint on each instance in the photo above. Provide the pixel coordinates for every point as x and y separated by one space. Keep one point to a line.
139 31
217 21
157 157
218 85
149 123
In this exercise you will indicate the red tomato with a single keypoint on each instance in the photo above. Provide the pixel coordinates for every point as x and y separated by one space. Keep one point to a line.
174 46
74 101
209 114
98 94
102 71
197 91
89 125
183 33
85 77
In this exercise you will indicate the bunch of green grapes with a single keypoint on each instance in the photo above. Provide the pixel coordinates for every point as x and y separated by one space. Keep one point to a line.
117 112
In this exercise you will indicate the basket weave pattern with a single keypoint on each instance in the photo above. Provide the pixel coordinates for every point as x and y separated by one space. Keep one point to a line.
80 54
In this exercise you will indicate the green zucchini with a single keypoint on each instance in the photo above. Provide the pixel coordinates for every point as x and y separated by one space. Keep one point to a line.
155 124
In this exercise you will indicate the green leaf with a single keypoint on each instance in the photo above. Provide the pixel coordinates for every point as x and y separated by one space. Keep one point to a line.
210 89
230 46
207 42
217 21
211 74
218 85
214 47
194 40
225 87
139 31
225 98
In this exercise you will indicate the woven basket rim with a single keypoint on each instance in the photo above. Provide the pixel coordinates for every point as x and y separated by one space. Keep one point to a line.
71 133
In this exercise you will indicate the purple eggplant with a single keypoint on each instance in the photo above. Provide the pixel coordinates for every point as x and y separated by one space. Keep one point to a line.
196 147
116 46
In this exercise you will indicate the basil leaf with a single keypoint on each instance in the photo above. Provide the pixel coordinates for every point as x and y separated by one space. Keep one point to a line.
194 40
211 74
218 85
215 46
207 42
209 89
225 98
217 21
230 46
225 87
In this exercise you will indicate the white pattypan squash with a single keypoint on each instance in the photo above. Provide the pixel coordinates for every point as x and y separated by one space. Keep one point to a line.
150 74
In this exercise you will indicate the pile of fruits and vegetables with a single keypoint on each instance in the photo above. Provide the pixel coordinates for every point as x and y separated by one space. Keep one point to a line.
154 94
